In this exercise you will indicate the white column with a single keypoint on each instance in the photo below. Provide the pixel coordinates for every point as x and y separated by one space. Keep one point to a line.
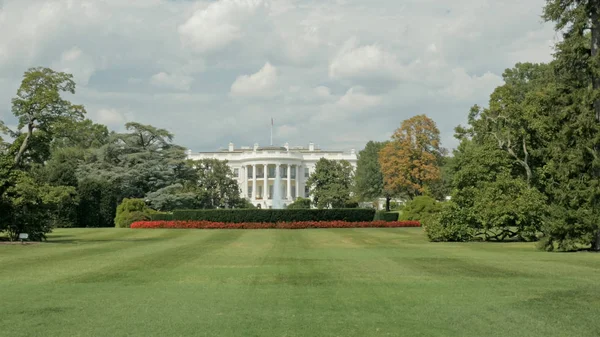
245 181
289 182
266 187
253 182
277 177
297 181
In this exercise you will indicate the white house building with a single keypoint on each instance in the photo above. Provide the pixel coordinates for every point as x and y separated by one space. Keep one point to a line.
259 170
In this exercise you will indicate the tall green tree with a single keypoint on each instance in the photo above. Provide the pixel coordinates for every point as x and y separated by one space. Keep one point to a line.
331 183
215 185
369 183
28 204
40 106
573 165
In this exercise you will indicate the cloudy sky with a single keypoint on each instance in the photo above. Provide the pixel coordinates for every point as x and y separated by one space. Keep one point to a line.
334 72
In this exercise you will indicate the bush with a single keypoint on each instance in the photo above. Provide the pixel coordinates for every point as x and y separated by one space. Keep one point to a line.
386 216
450 224
300 203
271 215
421 208
279 225
132 210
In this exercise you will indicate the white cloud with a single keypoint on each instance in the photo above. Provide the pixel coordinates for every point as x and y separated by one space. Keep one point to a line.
357 99
172 81
217 25
363 61
469 87
261 84
77 63
323 91
110 117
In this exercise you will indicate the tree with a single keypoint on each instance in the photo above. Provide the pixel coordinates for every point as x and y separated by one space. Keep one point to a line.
174 197
39 105
331 183
215 186
369 178
138 162
27 203
573 164
412 159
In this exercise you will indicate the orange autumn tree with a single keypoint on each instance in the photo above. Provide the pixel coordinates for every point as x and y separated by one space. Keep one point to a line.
411 160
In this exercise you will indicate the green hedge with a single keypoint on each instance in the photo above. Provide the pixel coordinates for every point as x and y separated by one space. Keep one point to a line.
270 215
386 216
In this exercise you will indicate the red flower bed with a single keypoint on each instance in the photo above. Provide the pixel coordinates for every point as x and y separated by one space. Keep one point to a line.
278 225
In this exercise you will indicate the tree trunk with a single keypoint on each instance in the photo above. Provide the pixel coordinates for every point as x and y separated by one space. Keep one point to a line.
596 242
23 147
596 85
387 204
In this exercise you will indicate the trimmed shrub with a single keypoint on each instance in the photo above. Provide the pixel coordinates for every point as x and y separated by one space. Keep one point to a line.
271 215
300 203
132 210
449 225
278 225
386 216
421 208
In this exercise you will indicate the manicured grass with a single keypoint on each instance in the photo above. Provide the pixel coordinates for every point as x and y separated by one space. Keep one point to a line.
323 282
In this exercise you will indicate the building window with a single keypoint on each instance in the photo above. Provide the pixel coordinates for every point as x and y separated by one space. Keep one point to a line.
306 191
283 171
236 172
306 172
271 171
249 170
293 172
270 191
249 191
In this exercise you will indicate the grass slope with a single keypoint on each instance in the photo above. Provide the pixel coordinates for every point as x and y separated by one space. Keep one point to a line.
342 282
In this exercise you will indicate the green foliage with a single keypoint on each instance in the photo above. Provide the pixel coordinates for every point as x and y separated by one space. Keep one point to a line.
173 197
38 105
421 208
132 210
216 187
300 203
33 208
331 183
451 224
271 215
386 216
97 203
368 178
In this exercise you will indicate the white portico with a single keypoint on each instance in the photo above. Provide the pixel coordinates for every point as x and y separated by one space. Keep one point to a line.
259 170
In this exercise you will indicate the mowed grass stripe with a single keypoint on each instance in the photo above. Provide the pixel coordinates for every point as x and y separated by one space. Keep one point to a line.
62 250
150 263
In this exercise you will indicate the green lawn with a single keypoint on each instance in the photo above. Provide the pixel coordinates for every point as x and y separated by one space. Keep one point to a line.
338 282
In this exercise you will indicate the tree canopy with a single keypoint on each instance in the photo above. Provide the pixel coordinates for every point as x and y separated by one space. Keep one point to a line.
331 183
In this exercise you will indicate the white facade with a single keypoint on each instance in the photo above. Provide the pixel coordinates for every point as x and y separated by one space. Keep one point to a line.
257 168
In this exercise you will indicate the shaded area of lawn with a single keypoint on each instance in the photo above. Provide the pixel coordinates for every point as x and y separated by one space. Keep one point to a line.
324 282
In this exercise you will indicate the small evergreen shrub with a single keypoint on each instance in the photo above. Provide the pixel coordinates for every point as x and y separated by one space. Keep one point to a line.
449 225
421 208
132 210
300 203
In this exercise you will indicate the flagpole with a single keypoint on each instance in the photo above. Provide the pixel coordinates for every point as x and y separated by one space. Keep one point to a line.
271 131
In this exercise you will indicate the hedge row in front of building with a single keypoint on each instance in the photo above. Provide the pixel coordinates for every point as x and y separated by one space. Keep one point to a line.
269 215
